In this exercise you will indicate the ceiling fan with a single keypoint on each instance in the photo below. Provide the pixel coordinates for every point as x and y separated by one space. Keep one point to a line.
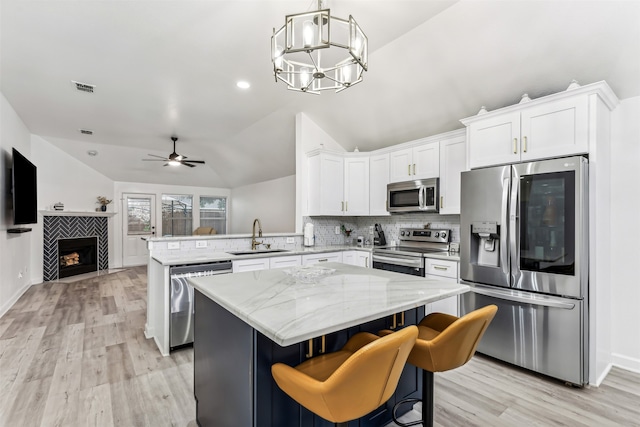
174 159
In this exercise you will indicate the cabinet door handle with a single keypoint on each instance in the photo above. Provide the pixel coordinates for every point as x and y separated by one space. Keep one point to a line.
323 344
414 168
442 201
342 206
310 353
323 260
402 319
438 267
394 324
366 262
524 143
408 169
515 145
346 206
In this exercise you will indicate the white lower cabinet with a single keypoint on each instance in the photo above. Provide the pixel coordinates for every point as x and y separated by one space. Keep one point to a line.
252 264
442 270
285 261
320 258
359 258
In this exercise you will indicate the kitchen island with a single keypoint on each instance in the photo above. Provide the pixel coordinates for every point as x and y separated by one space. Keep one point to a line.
245 322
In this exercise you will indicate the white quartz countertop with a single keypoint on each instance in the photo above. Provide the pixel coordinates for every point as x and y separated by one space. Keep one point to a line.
183 258
289 312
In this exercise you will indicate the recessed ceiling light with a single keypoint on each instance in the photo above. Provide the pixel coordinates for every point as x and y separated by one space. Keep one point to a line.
92 153
243 85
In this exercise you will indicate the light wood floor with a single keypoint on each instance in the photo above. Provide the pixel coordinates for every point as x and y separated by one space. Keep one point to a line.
75 355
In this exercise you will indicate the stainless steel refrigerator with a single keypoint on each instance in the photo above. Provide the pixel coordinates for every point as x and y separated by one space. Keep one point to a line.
524 247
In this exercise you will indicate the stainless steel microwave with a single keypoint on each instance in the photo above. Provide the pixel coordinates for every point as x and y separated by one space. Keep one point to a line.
413 196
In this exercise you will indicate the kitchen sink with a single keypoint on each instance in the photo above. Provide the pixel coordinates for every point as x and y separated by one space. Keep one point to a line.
258 252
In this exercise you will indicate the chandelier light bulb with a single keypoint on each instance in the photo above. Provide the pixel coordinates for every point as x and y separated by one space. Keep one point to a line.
305 76
346 74
307 33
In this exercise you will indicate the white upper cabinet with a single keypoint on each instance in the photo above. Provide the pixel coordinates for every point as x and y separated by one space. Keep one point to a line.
558 125
453 161
400 165
326 184
419 162
494 141
555 129
338 185
378 180
356 186
426 161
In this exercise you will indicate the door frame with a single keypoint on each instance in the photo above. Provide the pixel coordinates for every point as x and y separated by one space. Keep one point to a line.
126 259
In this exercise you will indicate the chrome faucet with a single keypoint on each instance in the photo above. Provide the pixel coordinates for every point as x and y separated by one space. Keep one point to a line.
254 242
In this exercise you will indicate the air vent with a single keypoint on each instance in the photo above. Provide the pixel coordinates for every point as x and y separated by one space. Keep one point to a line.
84 87
86 132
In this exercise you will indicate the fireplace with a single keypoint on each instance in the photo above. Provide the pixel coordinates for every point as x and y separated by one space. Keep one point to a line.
77 256
66 226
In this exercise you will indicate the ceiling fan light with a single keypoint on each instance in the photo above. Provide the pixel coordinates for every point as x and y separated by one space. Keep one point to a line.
173 163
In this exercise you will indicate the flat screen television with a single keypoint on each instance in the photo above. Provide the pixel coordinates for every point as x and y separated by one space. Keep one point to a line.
24 190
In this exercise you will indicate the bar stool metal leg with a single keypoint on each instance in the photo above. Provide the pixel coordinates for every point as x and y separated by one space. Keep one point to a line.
427 403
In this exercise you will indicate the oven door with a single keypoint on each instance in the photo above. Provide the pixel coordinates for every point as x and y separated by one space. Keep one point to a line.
399 264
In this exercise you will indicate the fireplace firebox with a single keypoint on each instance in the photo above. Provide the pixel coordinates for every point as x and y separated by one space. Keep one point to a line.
77 256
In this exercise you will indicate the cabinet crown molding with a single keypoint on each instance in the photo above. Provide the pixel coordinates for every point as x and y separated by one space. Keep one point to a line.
600 88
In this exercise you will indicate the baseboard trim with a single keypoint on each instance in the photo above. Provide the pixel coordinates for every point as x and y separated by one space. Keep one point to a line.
603 375
11 301
625 362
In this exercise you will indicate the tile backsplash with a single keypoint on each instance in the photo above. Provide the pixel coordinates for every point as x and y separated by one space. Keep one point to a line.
324 227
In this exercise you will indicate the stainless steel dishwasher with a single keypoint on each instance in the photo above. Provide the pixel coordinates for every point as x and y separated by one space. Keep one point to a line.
182 307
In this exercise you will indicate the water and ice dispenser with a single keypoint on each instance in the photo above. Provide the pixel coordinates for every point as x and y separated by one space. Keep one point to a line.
485 243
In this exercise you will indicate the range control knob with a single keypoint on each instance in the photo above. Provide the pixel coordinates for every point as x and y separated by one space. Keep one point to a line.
437 234
443 234
402 233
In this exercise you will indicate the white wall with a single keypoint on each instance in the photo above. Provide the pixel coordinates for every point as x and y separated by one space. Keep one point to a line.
63 178
273 202
158 190
15 249
625 231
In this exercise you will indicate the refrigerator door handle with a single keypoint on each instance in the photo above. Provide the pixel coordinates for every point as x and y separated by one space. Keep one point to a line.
546 302
514 220
504 254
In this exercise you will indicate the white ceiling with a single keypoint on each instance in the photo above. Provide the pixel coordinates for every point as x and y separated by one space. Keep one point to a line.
165 68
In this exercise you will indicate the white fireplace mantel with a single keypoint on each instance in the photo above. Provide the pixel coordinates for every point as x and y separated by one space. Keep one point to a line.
76 213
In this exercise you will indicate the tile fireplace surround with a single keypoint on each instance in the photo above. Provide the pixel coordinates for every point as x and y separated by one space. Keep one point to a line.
65 227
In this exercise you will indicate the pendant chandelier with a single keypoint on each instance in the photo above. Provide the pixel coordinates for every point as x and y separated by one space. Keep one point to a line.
314 51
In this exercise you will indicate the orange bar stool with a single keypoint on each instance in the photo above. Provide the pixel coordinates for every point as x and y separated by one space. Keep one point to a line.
444 342
349 383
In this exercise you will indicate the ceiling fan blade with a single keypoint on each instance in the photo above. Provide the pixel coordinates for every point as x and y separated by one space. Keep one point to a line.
154 160
187 164
153 155
194 161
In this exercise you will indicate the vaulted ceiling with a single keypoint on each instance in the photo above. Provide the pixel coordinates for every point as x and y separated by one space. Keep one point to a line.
164 68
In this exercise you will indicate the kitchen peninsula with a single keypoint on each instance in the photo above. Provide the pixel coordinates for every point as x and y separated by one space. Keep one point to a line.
245 322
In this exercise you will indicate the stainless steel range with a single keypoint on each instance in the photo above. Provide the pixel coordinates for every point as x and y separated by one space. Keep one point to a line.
409 256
